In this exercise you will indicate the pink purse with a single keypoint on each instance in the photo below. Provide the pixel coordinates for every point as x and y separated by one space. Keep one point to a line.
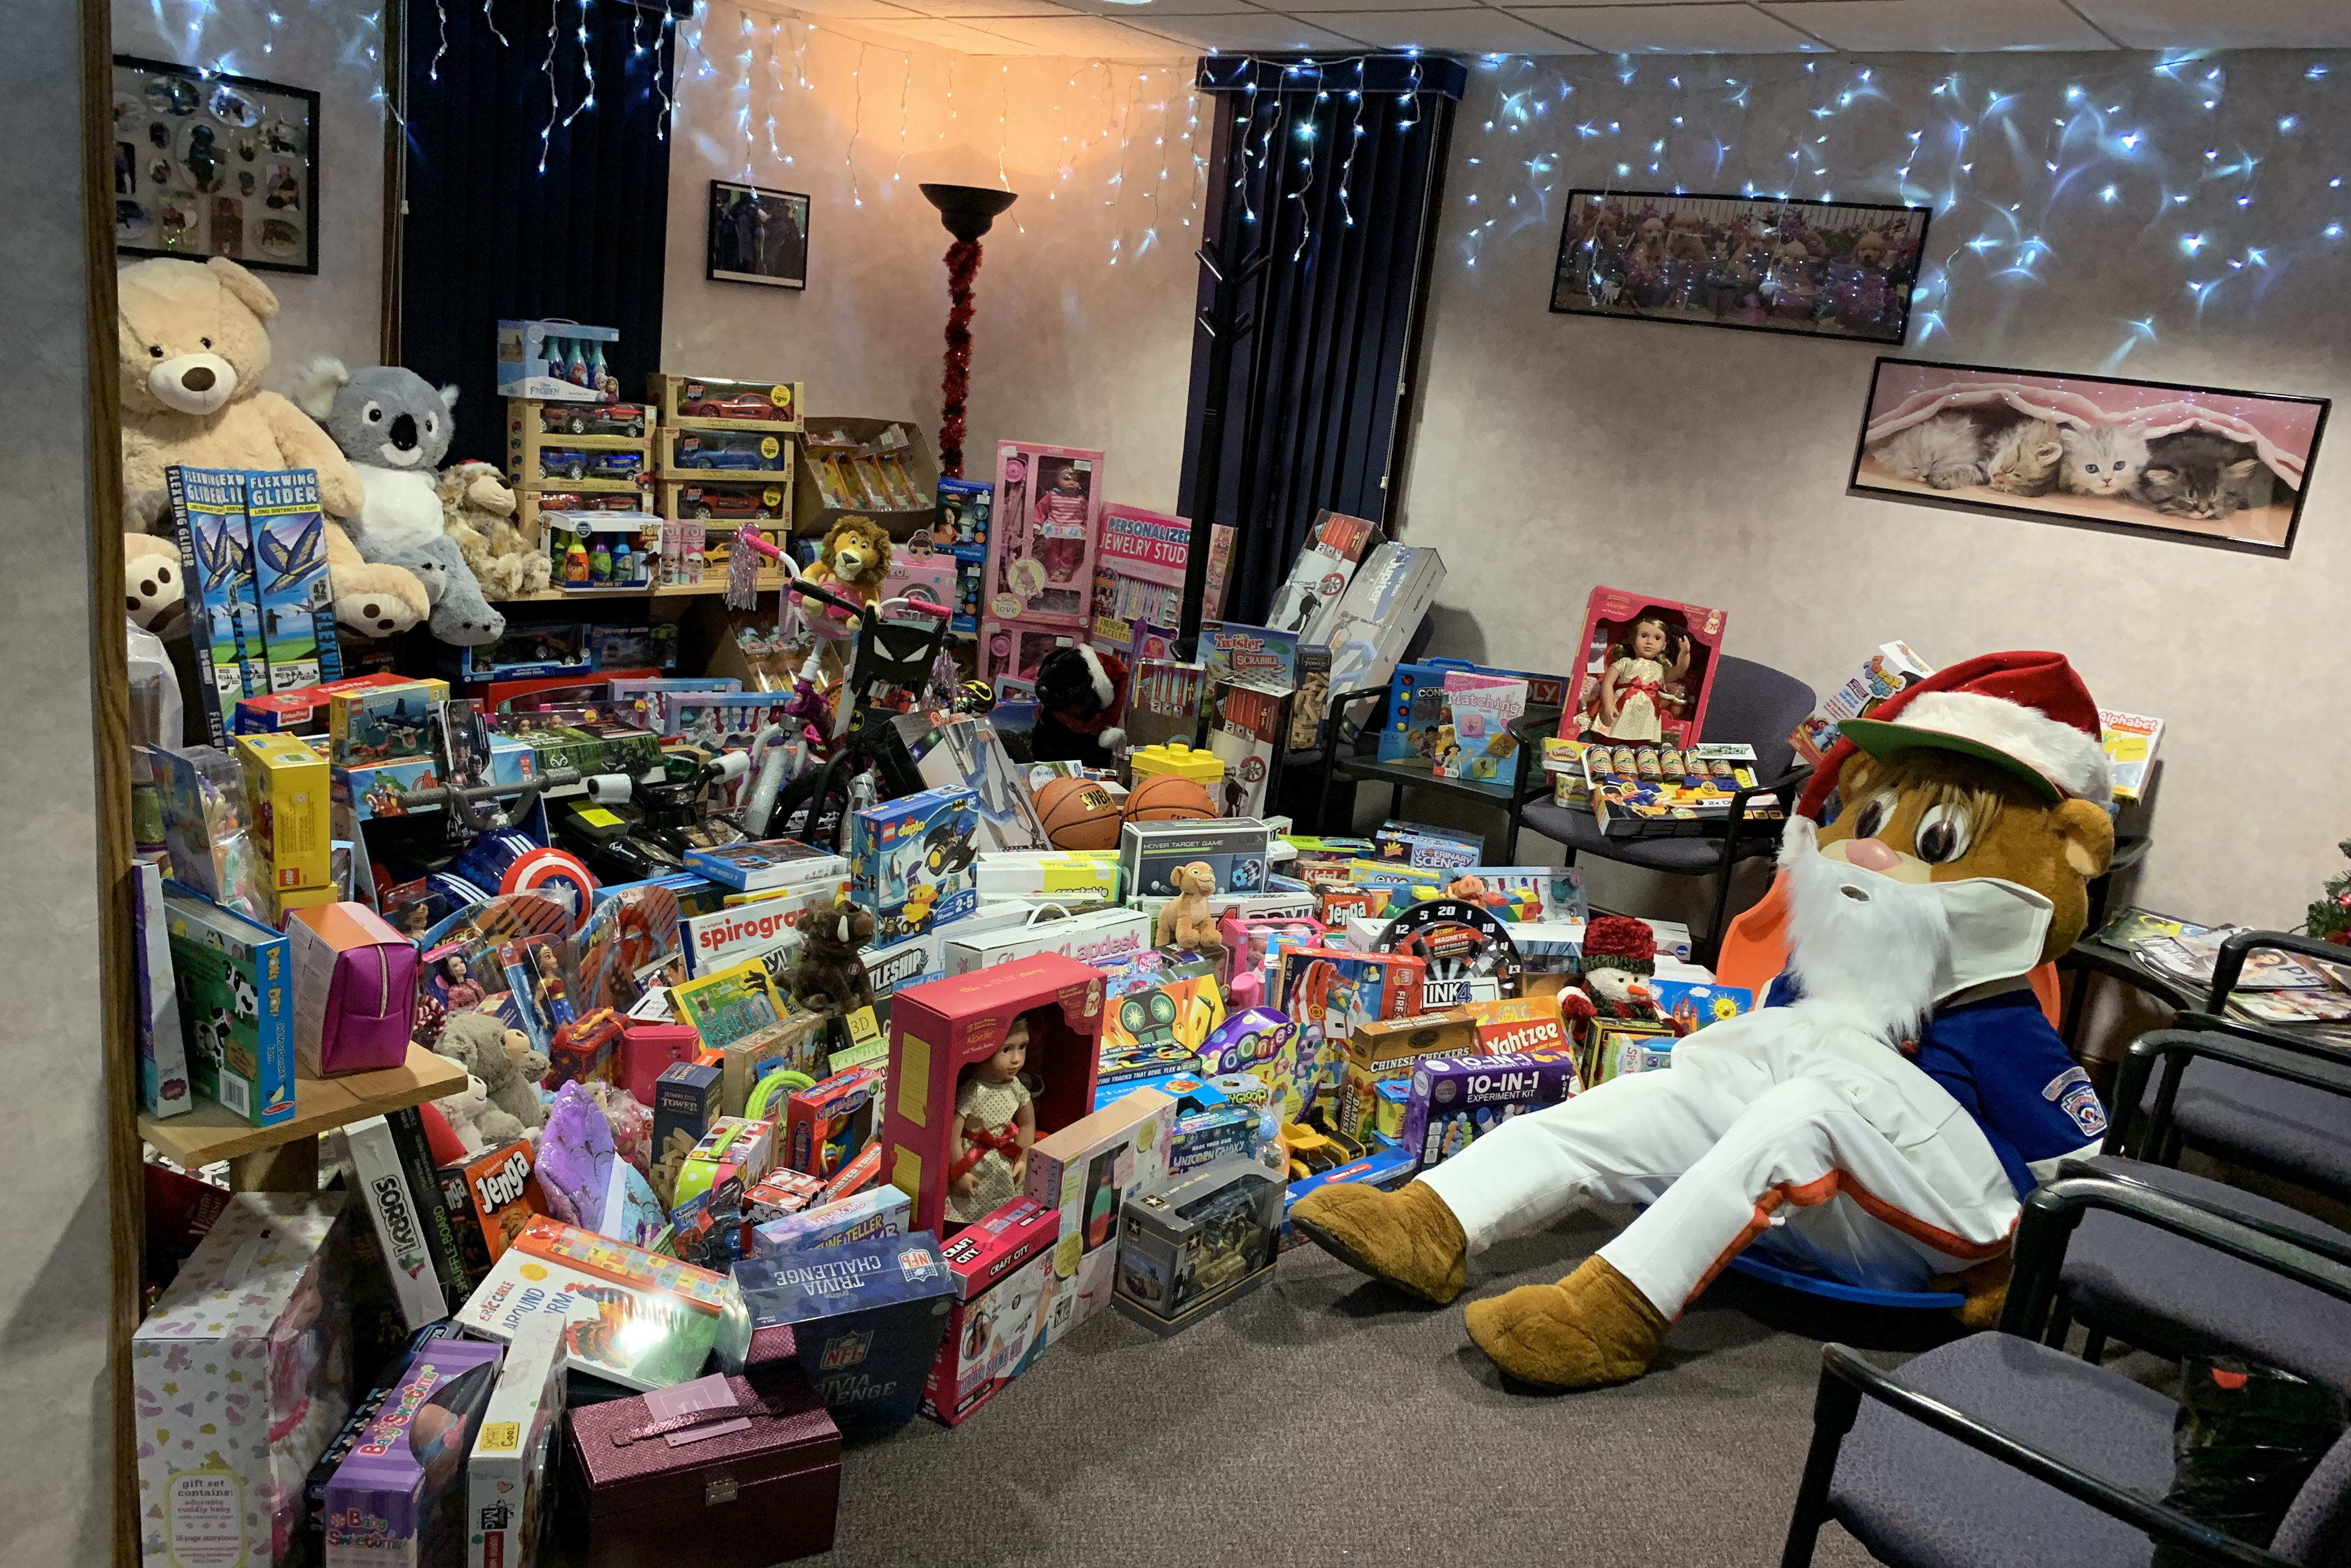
354 990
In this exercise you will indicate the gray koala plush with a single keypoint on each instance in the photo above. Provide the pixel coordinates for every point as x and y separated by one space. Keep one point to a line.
461 616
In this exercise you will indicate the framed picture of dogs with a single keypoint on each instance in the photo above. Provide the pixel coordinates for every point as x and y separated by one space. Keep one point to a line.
211 164
1824 269
2204 464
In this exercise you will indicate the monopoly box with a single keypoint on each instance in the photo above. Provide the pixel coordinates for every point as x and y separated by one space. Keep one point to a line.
910 861
1233 848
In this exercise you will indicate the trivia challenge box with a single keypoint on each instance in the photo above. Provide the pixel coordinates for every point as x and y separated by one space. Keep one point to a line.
865 1319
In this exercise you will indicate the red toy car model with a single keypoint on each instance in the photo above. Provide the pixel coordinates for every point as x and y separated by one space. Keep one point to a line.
743 405
725 503
606 419
564 501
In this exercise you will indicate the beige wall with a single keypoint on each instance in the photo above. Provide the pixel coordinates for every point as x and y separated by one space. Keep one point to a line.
1069 349
1556 452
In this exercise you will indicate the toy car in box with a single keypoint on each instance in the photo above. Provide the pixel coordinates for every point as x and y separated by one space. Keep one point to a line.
910 861
735 404
1198 1247
576 464
601 419
696 451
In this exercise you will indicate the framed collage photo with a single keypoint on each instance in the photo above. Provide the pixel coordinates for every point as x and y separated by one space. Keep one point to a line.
758 235
211 164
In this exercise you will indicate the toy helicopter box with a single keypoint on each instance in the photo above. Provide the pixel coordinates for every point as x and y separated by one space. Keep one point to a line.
1233 848
382 723
910 861
290 554
236 1006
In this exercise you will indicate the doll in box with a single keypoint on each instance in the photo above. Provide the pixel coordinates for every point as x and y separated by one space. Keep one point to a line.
996 1121
1652 653
1064 509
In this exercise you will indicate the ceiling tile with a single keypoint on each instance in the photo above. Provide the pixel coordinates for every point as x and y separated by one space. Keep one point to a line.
852 10
1236 32
1167 8
962 37
983 8
2237 25
1668 30
1940 26
1473 30
1077 35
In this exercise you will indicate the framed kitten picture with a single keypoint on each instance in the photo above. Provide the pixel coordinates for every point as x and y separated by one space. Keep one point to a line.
2204 464
1819 270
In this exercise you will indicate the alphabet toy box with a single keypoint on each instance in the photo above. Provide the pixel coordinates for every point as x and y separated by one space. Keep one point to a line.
865 1318
238 1380
939 1030
910 861
1003 1268
1459 1100
1233 848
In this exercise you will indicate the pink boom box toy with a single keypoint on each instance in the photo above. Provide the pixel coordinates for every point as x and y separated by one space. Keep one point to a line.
1040 548
354 990
938 1029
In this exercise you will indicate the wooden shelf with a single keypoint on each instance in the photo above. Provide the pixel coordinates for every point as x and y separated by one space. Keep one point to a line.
209 1134
715 583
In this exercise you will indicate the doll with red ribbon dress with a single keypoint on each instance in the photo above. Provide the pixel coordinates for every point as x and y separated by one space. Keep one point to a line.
1651 657
994 1122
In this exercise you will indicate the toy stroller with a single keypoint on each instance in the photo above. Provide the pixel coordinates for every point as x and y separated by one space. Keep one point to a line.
891 664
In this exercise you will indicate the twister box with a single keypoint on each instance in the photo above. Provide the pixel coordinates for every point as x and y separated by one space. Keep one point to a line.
865 1319
910 861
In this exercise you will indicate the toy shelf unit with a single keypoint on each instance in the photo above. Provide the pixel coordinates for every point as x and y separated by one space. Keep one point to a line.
769 582
877 468
209 1134
723 403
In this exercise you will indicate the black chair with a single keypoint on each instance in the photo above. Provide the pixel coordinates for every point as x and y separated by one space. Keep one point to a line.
1995 1449
1749 703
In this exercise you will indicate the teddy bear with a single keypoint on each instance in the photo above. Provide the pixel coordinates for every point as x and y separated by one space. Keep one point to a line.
477 510
464 1110
510 1069
1185 921
154 595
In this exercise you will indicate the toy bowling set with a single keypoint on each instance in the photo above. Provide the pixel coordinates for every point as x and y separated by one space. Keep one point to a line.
864 1319
910 861
555 360
510 1478
1040 557
240 1376
1086 1170
725 1473
1653 662
1457 1100
354 990
399 1500
1003 1268
1233 849
938 1031
1208 1241
236 1006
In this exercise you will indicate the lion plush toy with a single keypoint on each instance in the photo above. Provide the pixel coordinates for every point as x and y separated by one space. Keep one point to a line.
1878 1121
855 556
1188 921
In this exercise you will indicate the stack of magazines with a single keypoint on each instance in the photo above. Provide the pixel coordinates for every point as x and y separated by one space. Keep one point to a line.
2275 987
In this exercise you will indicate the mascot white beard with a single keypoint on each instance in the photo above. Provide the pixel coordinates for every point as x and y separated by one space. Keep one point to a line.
1867 950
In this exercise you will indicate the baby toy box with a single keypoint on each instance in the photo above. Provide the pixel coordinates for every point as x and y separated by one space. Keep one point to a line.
239 1378
510 1485
1457 1100
910 861
1003 1270
236 1006
1086 1171
1233 849
398 1501
865 1319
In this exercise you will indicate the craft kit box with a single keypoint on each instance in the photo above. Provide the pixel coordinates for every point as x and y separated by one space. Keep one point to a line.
1003 1270
1094 938
938 1029
236 1006
239 1378
288 796
1086 1171
633 1317
398 1501
1209 1239
1233 848
910 861
1456 1101
865 1318
509 1486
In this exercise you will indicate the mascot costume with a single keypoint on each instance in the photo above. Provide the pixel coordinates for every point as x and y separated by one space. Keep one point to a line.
1881 1118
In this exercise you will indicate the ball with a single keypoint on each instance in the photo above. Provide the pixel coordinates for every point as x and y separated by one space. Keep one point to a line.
1167 798
1078 814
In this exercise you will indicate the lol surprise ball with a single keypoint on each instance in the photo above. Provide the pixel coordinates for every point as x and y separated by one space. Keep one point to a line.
995 1123
1064 509
1649 655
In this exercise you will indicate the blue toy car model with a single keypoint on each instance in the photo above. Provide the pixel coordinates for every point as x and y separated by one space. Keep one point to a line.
614 464
566 463
705 457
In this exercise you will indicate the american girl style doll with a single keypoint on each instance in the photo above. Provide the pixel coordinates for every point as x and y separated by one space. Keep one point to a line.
1653 655
995 1123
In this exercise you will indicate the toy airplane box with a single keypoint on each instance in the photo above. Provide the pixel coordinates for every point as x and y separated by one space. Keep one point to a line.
236 1006
865 1319
1002 1265
304 707
382 723
289 556
216 570
1456 1101
1233 849
910 861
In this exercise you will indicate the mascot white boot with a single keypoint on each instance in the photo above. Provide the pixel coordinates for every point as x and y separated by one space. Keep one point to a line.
1881 1119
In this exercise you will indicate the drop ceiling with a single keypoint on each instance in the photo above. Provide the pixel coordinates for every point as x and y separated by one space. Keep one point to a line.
1168 29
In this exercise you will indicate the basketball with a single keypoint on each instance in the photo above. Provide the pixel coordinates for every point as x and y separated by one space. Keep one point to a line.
1078 814
1167 798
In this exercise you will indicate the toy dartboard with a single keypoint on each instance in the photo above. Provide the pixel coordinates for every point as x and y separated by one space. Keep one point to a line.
1469 953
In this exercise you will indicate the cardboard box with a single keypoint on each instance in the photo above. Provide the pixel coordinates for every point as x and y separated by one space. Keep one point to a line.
1095 937
1893 668
1379 612
717 402
1086 1171
870 1215
1234 849
910 861
303 708
793 1044
1309 599
1003 1270
287 791
1074 875
510 1480
354 990
290 553
223 607
395 1211
1380 1053
1521 1026
236 1006
1457 1100
633 1317
257 1322
164 1088
865 1319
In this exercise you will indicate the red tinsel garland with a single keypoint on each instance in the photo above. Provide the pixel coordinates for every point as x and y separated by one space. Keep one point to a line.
954 384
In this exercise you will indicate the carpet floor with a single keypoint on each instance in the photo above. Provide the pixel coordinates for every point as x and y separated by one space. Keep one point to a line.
1326 1419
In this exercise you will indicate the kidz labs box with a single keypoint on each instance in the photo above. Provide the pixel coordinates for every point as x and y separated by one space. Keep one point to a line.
865 1320
509 1487
1457 1100
289 555
910 861
1086 1170
1233 849
236 1006
399 1500
1003 1270
240 1376
224 609
289 795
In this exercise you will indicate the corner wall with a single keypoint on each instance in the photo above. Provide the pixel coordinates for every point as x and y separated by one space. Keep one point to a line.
1555 453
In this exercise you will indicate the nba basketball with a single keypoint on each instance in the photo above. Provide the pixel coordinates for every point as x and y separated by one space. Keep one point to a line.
1078 814
1166 798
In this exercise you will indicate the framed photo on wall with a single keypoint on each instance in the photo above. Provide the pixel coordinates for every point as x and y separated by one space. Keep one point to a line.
758 235
1825 270
2201 464
211 164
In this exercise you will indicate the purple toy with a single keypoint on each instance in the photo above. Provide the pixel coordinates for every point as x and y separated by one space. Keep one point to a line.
575 1157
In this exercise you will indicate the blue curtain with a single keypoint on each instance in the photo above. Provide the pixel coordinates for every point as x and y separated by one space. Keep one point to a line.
490 235
1336 168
